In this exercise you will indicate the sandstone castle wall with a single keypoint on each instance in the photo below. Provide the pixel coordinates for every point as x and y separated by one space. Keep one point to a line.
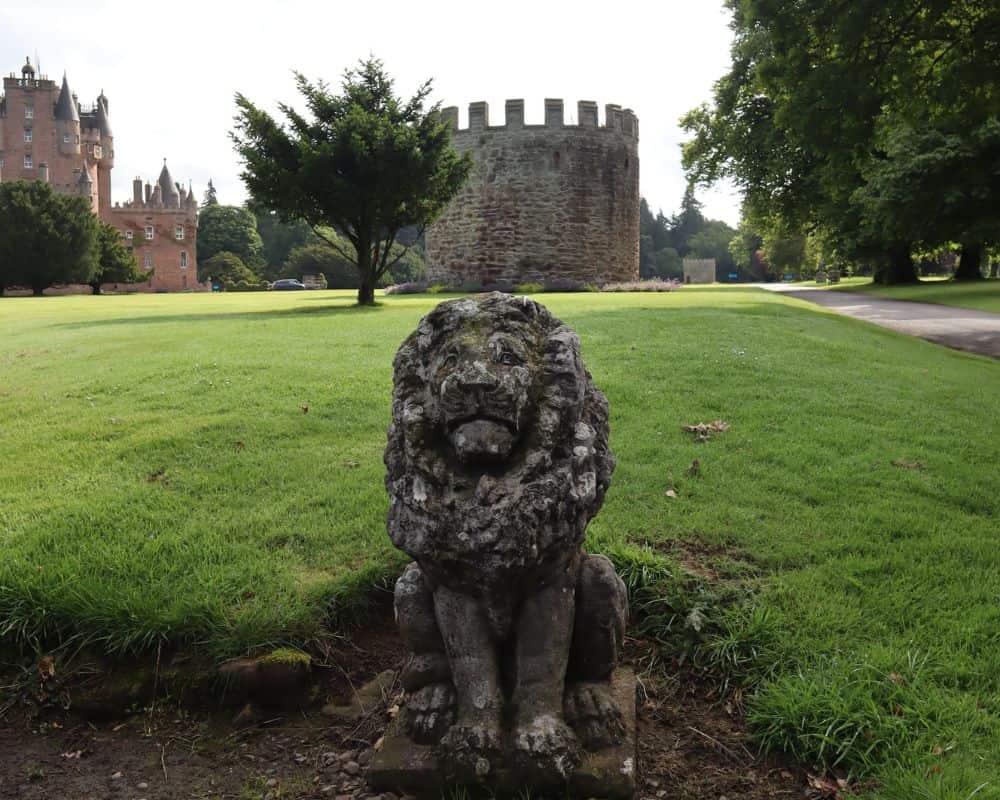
543 202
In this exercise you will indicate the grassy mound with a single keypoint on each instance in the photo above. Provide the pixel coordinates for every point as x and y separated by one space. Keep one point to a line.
206 469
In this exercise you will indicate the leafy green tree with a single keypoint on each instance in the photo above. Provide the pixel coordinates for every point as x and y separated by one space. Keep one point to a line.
320 258
712 241
229 229
278 239
363 162
116 261
211 198
226 268
687 223
743 249
45 237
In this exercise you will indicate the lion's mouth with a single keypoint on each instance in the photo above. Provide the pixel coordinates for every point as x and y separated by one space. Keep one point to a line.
454 423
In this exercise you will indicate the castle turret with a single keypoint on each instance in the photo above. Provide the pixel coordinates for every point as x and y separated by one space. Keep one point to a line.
106 162
168 189
544 203
67 117
27 71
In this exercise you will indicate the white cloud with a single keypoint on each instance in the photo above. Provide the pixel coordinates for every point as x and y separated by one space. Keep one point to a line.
170 77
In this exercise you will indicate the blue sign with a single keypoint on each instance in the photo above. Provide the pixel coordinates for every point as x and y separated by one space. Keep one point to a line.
734 276
789 276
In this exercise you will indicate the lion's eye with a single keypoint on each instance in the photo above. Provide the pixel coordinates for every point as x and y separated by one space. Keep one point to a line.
509 358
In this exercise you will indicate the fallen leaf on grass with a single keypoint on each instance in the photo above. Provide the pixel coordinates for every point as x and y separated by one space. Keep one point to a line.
827 787
670 493
352 464
305 409
239 445
157 476
47 668
703 430
74 754
694 470
899 462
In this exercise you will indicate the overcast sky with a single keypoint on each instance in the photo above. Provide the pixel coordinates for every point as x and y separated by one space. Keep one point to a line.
170 75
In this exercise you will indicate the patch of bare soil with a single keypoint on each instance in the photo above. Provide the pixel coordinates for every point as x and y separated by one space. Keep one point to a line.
691 745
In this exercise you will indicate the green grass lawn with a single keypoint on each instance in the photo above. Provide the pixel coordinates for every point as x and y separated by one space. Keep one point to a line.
161 480
984 295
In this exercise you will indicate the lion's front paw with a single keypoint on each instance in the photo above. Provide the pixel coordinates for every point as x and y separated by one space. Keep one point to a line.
429 712
594 715
471 751
545 747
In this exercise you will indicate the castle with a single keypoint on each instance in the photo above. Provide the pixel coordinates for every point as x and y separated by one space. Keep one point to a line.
47 135
544 203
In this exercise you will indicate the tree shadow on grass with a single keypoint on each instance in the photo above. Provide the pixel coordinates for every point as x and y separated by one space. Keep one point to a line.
340 310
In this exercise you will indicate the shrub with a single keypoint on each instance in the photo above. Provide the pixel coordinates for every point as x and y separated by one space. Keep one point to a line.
437 288
568 285
417 287
242 286
263 286
653 285
529 288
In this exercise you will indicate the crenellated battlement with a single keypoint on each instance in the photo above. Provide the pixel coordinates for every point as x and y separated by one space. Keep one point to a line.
616 119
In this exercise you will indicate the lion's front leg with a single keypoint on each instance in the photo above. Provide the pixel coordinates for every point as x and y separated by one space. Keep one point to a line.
542 740
473 744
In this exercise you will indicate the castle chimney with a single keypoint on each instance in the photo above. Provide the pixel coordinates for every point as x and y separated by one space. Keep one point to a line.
137 191
148 193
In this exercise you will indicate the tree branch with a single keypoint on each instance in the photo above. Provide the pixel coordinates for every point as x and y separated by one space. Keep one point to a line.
335 245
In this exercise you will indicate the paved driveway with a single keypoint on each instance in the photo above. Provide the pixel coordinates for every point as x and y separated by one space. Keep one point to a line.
961 328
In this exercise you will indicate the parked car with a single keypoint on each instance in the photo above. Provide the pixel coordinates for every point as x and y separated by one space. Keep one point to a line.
287 284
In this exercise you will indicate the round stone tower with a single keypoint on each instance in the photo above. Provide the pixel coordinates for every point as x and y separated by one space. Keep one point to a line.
543 203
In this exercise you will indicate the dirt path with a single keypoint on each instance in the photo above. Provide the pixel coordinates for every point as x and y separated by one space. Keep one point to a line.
692 745
959 328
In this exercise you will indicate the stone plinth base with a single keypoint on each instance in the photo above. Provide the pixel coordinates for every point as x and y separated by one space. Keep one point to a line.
404 767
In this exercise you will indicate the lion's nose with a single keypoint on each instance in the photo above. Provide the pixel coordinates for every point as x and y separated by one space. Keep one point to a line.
477 376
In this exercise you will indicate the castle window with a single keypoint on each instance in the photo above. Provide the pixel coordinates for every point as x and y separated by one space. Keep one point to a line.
147 260
555 159
27 134
149 232
65 138
184 259
29 112
128 235
28 163
179 232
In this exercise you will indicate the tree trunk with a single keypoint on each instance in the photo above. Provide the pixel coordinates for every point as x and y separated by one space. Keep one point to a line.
366 279
37 290
899 268
970 262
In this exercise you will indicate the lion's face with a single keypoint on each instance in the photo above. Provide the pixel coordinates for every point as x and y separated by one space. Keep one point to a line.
483 382
498 451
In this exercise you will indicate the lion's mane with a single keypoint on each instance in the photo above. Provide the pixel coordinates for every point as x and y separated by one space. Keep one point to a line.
488 527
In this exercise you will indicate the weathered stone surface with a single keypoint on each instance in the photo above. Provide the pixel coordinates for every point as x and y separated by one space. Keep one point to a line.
402 766
497 460
543 202
364 699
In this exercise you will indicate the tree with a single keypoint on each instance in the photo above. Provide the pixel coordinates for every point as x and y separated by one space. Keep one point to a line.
712 241
229 229
225 268
278 239
45 237
211 198
363 162
688 222
815 120
116 262
320 258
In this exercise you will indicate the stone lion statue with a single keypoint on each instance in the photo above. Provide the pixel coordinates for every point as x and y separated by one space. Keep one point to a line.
497 459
